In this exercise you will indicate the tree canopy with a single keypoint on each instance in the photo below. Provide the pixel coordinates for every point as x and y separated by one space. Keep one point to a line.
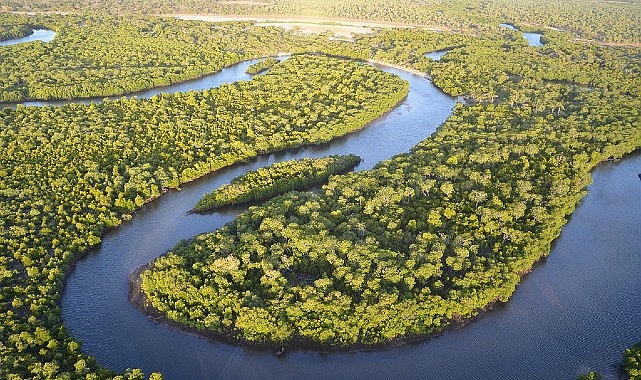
421 242
276 179
69 173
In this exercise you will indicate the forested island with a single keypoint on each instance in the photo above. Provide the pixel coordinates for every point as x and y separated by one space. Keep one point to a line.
261 66
277 179
425 241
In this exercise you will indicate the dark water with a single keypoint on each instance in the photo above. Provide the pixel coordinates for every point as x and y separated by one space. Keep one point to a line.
43 35
533 39
576 312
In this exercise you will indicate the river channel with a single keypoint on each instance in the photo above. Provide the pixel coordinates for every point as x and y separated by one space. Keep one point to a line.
226 75
576 312
533 39
44 35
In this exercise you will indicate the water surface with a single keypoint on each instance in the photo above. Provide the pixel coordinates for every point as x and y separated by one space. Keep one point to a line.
226 75
95 306
533 39
43 35
437 55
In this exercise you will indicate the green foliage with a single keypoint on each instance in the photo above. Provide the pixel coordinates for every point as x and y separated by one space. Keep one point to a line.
69 173
424 240
589 376
279 178
614 21
96 56
428 238
261 66
14 27
632 362
418 243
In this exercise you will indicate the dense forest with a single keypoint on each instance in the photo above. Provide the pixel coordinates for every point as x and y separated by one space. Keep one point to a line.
97 57
608 21
423 241
102 161
416 244
12 27
277 179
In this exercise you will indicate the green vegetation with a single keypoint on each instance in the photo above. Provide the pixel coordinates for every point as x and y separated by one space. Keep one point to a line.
613 21
13 27
426 239
277 179
421 242
97 57
68 173
631 365
632 362
261 66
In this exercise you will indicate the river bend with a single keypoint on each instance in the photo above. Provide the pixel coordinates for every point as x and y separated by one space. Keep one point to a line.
576 312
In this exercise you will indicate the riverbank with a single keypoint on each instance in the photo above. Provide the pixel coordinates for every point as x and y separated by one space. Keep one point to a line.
140 301
129 94
133 94
399 67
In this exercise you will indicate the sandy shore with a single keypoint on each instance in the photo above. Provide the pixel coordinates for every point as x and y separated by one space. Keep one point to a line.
399 67
304 20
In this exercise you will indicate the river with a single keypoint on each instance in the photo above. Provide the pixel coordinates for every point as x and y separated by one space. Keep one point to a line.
44 35
437 55
576 312
533 39
236 72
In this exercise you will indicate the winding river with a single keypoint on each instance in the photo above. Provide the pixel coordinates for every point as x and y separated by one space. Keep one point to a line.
575 313
226 75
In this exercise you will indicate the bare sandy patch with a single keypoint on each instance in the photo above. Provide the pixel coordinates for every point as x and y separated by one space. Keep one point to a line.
305 20
346 31
240 2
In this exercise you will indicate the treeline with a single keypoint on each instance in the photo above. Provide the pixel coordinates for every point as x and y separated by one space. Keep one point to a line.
131 55
261 66
491 69
14 27
69 173
276 179
613 21
460 216
504 68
